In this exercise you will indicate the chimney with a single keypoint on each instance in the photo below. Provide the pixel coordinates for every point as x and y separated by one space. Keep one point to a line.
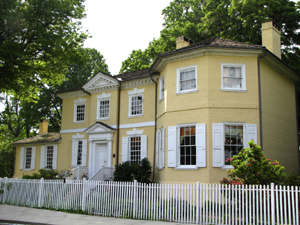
43 127
183 41
271 38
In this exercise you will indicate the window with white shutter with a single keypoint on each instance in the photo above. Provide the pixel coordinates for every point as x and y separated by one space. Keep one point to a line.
27 158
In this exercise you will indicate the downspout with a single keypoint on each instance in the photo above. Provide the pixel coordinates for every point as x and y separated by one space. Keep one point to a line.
297 122
155 126
118 123
259 98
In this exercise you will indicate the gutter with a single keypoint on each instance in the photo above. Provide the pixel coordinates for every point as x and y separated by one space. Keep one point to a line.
118 124
259 98
297 121
155 127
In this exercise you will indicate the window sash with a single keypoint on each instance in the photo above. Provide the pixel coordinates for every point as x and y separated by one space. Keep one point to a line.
233 140
187 145
28 156
232 77
135 149
49 157
187 79
79 153
137 105
80 111
162 87
104 109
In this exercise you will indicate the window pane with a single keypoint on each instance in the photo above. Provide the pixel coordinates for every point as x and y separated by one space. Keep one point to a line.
28 158
49 159
187 79
79 153
135 149
232 77
136 105
233 140
187 145
104 109
80 112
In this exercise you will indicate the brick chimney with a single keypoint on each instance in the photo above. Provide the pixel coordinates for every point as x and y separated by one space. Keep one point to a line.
271 37
183 41
43 129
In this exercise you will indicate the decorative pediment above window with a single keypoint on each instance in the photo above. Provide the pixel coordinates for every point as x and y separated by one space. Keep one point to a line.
101 82
99 128
134 132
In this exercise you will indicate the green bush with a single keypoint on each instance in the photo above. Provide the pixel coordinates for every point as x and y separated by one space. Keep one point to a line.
133 171
43 173
252 167
293 179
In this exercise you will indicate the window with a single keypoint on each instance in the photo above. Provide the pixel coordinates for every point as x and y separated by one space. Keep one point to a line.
229 139
187 146
79 110
27 158
233 77
48 157
134 147
162 87
28 155
160 148
135 107
79 150
187 79
103 103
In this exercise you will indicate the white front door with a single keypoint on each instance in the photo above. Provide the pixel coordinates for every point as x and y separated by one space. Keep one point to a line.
101 156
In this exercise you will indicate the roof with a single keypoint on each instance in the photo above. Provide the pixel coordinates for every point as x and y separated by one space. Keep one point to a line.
214 42
133 75
45 138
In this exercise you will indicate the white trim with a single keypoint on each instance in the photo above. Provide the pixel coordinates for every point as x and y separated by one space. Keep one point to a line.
178 79
78 136
136 91
80 100
103 95
67 131
243 70
134 132
122 126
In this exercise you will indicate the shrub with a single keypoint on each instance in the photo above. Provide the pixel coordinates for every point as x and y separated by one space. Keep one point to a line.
252 167
43 173
133 171
293 179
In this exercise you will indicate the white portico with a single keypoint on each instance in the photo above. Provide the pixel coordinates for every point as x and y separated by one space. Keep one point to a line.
100 146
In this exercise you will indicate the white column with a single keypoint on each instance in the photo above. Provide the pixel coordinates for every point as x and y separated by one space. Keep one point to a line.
90 158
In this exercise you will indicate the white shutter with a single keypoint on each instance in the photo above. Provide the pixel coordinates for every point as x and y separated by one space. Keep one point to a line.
251 134
172 146
74 153
162 149
217 139
43 157
157 148
201 145
33 158
22 156
54 160
143 146
124 149
84 150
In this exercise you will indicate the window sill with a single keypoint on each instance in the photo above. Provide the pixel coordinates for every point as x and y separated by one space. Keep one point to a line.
160 100
104 118
186 168
233 90
227 167
27 169
130 116
78 121
186 92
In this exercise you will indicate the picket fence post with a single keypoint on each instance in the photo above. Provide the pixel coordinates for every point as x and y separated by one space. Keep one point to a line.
4 189
197 202
134 198
272 203
40 192
83 194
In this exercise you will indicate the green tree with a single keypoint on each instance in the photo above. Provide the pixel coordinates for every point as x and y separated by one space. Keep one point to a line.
37 39
252 167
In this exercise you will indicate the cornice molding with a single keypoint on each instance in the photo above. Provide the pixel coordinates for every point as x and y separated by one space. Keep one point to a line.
138 82
73 94
164 60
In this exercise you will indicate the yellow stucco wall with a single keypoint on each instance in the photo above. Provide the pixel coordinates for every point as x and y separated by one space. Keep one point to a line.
279 118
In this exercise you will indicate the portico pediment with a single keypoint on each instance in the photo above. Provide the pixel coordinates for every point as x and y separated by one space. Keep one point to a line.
100 82
98 128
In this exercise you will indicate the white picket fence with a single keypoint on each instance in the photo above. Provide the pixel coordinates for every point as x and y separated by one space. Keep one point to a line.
184 203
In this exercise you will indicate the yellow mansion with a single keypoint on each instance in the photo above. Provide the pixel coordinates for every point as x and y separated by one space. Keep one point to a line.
195 107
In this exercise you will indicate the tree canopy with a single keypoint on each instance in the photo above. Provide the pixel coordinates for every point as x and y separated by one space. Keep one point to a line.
237 20
37 39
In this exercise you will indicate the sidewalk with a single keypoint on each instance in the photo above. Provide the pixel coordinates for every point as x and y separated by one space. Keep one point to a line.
42 216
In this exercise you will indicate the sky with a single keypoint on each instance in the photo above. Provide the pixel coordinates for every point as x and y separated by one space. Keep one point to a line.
120 26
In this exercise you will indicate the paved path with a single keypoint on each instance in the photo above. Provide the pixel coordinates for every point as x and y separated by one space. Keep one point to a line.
42 216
